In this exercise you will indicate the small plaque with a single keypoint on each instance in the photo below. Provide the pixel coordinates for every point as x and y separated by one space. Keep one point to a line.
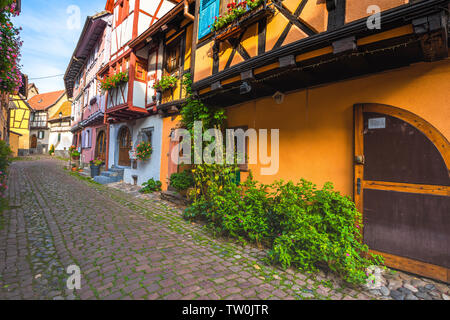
377 123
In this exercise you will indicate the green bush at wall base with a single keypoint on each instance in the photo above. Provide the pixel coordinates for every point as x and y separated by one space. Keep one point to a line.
303 226
182 181
151 186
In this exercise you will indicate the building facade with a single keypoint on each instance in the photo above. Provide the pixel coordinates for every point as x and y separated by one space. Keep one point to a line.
91 54
359 103
19 125
60 137
131 116
350 91
44 107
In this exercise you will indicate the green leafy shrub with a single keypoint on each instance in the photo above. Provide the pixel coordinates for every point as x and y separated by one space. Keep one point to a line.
151 186
318 227
303 226
182 181
5 154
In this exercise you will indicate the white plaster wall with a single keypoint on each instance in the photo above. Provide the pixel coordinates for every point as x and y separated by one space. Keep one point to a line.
165 7
66 140
139 94
145 169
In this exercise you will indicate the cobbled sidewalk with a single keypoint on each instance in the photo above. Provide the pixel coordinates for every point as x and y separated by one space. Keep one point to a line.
128 248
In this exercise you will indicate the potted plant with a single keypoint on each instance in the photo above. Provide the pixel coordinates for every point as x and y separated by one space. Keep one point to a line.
165 83
74 167
235 11
114 81
75 155
95 167
144 151
52 150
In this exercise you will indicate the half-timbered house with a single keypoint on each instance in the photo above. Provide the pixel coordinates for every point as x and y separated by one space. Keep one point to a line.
359 92
166 45
19 125
127 116
44 106
90 55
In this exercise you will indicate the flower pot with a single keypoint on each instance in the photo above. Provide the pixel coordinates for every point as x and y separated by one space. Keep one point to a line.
95 171
75 157
74 169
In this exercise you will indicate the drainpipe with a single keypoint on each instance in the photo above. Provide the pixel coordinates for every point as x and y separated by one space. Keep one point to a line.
186 11
107 148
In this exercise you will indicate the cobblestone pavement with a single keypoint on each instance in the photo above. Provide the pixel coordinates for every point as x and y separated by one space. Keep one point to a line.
128 247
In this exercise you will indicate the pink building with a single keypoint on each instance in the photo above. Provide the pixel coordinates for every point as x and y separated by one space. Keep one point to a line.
91 55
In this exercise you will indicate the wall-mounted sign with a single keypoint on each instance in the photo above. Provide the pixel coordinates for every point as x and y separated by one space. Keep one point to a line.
377 123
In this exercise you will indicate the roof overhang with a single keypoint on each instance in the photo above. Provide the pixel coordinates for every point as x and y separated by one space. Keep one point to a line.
284 69
92 31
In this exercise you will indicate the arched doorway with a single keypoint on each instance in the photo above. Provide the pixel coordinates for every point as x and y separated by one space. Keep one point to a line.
100 146
33 144
124 146
402 188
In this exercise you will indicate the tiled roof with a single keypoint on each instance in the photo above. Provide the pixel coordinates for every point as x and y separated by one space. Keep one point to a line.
65 109
45 100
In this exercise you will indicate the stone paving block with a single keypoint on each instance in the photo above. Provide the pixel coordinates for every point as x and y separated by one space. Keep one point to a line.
123 253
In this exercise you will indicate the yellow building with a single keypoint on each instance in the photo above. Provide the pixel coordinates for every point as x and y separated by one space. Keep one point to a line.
44 106
19 125
359 98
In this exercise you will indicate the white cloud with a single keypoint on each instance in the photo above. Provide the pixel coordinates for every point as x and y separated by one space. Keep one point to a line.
48 42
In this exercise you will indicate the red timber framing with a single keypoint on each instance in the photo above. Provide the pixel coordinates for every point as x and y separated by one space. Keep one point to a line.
124 58
125 110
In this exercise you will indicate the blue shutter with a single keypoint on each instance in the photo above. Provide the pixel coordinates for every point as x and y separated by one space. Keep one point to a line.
208 10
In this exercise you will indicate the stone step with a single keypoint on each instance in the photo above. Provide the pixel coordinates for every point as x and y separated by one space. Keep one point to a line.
104 180
174 197
110 174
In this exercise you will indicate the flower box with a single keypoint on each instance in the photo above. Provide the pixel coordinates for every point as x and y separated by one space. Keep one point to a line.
114 81
223 32
165 83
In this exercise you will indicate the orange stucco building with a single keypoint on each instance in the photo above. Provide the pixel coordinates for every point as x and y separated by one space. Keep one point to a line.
359 92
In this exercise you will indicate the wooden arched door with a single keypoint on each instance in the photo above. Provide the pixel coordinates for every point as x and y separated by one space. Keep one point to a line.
124 147
402 188
100 146
33 144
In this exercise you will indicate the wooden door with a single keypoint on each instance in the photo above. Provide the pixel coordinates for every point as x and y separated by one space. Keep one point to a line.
124 147
33 144
100 146
402 188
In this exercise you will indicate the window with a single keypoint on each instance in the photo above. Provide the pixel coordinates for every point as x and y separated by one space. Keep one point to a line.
141 72
39 120
41 135
172 61
59 137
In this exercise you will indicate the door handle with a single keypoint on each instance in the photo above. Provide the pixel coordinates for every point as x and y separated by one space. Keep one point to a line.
358 186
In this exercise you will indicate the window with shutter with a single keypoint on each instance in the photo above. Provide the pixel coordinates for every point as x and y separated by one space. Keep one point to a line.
208 10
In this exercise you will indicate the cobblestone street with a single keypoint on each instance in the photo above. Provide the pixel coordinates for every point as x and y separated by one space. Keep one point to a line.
127 248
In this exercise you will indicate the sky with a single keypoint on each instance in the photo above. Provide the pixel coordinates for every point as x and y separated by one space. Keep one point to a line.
50 32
